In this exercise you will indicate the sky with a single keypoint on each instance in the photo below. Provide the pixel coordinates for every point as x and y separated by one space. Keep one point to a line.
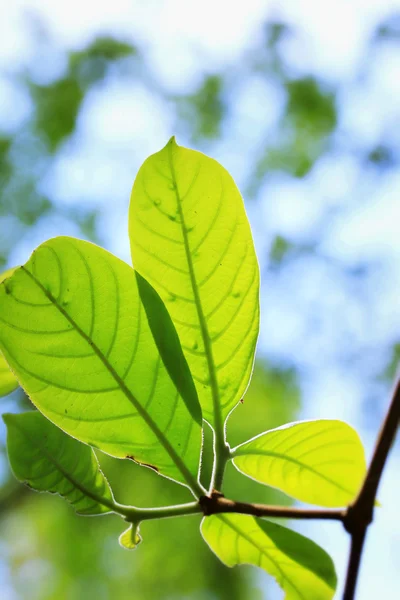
182 41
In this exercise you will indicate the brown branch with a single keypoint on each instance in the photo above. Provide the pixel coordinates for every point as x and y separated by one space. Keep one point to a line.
360 513
356 518
219 504
356 548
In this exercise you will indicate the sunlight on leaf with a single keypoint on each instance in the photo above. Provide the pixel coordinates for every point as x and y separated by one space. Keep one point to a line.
8 381
302 568
191 239
48 460
75 332
321 462
6 274
130 538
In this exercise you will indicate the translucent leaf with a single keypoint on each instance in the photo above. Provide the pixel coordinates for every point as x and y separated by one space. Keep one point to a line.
302 568
191 239
48 460
130 538
321 462
75 331
6 274
8 381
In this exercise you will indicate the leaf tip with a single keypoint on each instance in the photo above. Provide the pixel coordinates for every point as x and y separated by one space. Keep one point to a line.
7 418
172 141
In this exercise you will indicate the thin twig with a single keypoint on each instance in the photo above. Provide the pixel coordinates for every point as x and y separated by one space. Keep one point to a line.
219 504
136 515
360 513
382 447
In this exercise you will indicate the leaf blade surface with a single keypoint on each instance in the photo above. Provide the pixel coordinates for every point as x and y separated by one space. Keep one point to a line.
74 329
302 568
190 238
48 460
8 381
320 462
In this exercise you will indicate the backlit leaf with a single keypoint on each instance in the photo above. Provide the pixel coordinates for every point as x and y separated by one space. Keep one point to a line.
8 381
6 274
130 538
190 238
321 462
48 460
74 330
302 568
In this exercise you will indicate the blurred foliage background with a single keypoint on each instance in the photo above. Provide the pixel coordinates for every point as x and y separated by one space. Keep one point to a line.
312 137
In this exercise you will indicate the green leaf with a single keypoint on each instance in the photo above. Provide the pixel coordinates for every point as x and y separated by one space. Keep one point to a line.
6 274
48 460
191 239
8 381
130 538
302 568
74 330
321 462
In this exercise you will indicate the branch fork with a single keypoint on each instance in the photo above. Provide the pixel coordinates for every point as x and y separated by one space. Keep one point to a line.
356 518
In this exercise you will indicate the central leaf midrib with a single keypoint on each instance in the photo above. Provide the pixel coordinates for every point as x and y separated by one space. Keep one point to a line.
99 499
149 421
285 457
199 308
